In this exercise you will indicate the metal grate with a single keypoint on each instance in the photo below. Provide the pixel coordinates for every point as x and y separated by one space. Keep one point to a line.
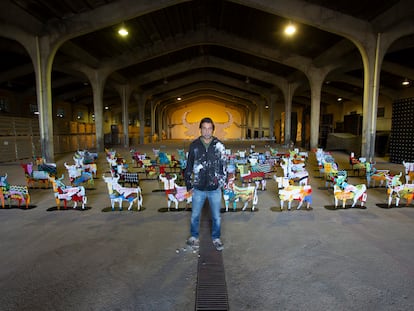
211 291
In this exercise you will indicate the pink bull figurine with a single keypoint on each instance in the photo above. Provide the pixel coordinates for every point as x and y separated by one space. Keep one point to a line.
174 193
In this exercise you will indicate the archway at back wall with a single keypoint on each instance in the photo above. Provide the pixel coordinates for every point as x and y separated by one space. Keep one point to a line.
185 120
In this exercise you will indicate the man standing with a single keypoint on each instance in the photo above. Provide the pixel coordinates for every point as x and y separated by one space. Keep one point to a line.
205 176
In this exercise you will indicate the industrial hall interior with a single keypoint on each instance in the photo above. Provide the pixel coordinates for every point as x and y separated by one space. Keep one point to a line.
100 101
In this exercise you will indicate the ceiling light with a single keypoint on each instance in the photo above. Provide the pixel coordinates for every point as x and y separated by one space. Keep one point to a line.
405 82
122 31
178 98
247 80
339 99
290 29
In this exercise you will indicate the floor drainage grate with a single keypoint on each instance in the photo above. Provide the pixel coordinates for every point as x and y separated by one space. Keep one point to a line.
211 292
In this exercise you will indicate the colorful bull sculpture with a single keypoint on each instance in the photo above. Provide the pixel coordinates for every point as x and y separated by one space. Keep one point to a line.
344 191
397 191
35 176
233 194
85 164
295 193
295 172
118 194
357 164
77 176
67 193
247 176
375 175
409 171
175 193
13 192
353 193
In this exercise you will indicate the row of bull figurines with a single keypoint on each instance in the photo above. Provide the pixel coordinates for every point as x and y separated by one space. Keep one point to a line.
247 173
395 188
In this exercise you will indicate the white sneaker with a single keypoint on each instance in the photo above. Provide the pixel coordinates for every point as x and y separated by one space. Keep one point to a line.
218 244
193 242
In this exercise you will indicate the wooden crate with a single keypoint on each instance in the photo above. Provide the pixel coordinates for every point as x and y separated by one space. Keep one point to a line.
81 128
73 127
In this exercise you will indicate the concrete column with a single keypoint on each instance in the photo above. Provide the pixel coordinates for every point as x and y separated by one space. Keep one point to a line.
272 103
158 114
141 114
152 108
97 80
243 125
372 61
288 92
252 124
245 121
43 57
125 96
261 103
316 80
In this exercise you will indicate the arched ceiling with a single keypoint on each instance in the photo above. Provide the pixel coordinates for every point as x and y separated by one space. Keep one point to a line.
236 46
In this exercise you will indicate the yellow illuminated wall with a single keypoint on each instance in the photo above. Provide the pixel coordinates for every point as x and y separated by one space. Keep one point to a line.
184 120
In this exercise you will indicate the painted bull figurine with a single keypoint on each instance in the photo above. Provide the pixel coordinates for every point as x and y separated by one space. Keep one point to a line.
344 191
374 175
35 176
248 176
295 193
118 194
13 192
77 176
175 193
409 171
397 190
234 194
350 192
67 193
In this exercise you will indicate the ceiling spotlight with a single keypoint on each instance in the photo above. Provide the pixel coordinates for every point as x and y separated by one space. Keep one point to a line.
339 99
165 81
290 29
178 98
247 80
405 82
122 31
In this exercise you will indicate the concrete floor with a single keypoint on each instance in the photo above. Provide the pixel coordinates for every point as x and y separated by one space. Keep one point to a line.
352 259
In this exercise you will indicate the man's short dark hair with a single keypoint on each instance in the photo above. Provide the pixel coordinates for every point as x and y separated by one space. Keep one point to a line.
206 120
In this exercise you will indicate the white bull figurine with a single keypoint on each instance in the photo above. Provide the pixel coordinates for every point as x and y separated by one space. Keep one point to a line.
295 193
67 193
174 192
118 194
397 191
409 171
350 192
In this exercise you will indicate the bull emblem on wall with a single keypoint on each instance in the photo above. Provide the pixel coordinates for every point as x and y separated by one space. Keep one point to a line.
193 128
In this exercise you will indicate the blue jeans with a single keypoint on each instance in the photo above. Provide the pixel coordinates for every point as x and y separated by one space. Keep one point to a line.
214 199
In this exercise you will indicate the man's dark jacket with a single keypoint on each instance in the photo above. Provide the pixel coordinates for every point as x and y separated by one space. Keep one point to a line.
206 168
